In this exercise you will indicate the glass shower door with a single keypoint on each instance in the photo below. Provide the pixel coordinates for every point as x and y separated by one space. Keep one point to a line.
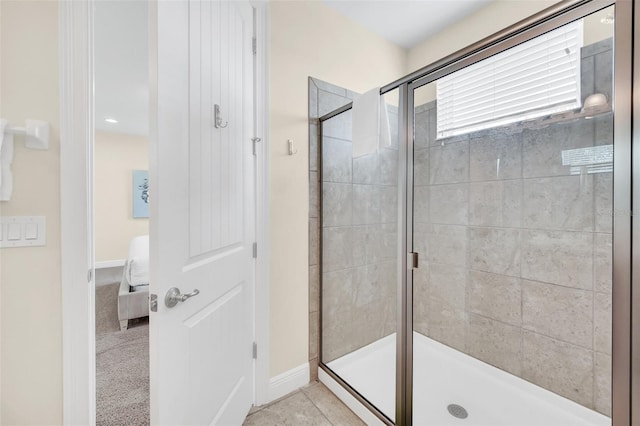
359 267
512 220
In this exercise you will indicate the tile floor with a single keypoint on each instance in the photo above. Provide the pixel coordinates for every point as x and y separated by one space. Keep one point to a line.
313 405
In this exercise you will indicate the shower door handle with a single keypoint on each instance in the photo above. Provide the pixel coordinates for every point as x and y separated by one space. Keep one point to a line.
173 296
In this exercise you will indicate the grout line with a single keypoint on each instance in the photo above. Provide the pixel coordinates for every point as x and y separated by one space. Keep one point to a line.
274 402
524 328
316 406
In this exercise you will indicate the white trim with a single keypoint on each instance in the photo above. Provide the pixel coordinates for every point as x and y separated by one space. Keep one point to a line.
349 400
110 263
76 144
1 363
289 381
262 286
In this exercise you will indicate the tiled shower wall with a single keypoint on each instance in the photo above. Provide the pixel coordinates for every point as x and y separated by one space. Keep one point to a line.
518 253
359 201
323 98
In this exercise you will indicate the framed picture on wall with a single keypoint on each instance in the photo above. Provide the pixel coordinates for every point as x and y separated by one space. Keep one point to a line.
140 193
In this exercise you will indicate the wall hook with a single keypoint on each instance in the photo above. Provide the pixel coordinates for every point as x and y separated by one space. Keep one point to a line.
36 133
291 150
217 119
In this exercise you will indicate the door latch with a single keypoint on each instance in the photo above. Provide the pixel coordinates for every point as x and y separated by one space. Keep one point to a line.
153 302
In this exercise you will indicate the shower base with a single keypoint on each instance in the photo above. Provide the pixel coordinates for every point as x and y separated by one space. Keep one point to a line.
444 376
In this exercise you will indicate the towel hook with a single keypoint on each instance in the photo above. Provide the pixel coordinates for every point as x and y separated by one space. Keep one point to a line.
291 150
217 120
36 133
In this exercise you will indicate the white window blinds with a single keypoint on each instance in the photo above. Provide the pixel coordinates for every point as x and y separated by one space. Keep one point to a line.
534 79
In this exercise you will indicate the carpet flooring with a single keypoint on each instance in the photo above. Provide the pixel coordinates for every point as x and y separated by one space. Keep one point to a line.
122 364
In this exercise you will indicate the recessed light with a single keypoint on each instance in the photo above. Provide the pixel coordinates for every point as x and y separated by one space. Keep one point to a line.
110 120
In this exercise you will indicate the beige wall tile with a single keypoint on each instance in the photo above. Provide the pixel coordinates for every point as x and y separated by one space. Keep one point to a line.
366 200
449 204
337 248
448 245
494 342
314 288
560 367
389 204
560 312
542 149
558 257
338 127
388 171
495 296
336 159
496 156
421 174
314 241
365 169
446 314
602 322
602 397
421 299
495 250
603 189
603 265
421 204
337 204
495 203
313 335
449 162
314 195
562 202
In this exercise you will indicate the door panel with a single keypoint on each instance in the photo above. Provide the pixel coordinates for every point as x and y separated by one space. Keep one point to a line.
215 322
217 76
202 228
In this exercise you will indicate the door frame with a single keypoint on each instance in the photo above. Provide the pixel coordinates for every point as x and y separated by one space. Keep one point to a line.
76 59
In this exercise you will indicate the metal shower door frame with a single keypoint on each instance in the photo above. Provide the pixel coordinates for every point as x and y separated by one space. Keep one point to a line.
626 274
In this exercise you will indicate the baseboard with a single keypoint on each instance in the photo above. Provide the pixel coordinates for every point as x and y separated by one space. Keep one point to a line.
288 381
109 272
110 263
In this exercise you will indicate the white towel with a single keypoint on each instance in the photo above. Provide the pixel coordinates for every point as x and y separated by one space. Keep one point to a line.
370 124
6 158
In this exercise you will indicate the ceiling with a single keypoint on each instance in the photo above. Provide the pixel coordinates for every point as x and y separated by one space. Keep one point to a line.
121 47
121 66
406 22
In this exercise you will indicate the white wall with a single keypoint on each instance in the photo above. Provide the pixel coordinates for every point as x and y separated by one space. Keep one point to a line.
31 333
116 155
492 18
307 38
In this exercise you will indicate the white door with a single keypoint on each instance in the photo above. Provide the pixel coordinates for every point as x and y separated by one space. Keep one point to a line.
202 213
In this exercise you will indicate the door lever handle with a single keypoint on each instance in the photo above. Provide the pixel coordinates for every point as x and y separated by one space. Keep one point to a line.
173 296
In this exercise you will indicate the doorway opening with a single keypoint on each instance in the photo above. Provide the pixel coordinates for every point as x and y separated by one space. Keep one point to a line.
121 195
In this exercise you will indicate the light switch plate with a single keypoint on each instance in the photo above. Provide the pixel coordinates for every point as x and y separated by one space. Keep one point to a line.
23 231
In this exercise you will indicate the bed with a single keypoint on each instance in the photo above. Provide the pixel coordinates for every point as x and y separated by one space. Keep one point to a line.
133 296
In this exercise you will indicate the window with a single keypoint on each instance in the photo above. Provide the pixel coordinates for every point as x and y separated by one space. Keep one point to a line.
534 79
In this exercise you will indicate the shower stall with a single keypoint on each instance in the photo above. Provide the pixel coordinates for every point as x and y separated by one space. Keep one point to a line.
466 268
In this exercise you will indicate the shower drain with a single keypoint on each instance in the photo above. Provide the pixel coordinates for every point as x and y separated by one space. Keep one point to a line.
457 411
